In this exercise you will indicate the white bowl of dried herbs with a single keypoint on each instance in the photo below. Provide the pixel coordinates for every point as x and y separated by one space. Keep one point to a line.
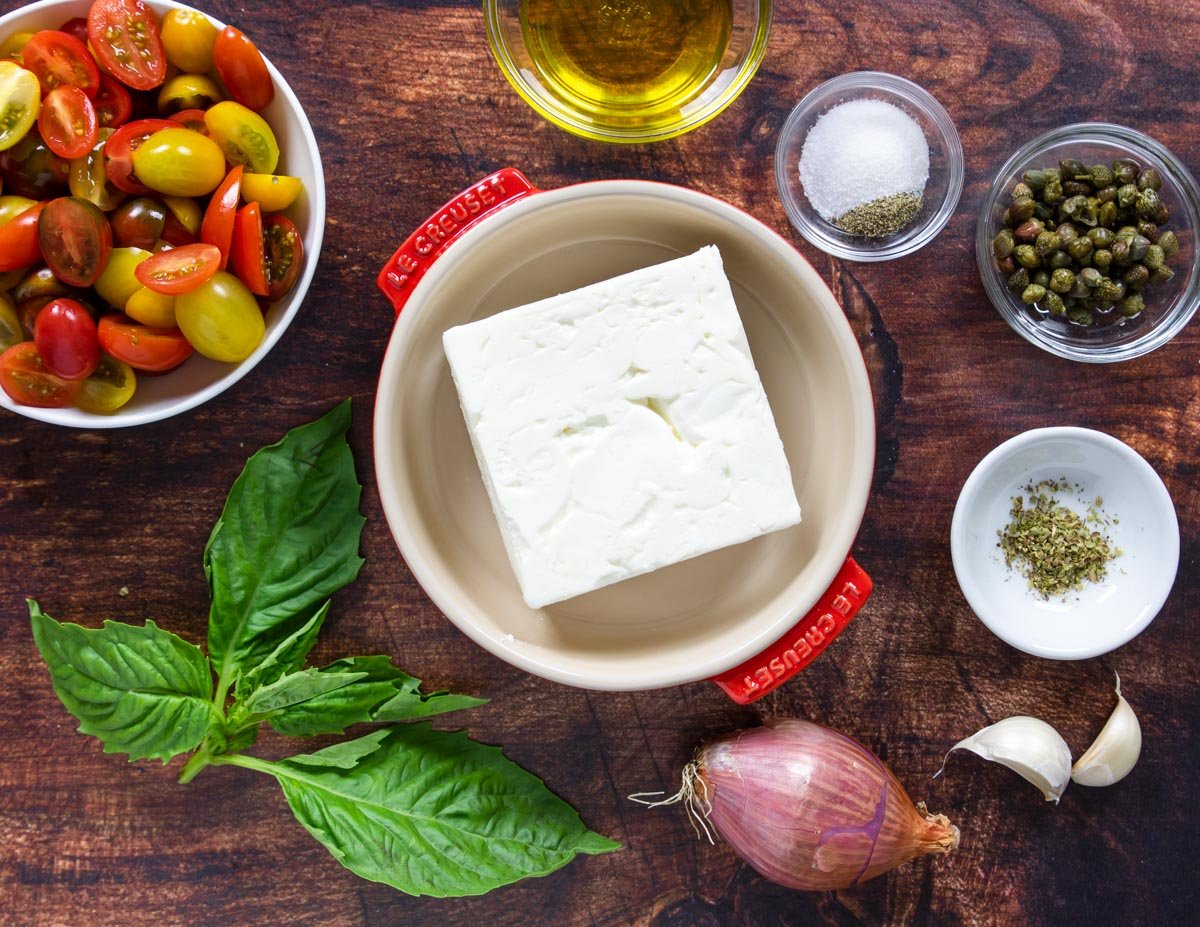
1065 542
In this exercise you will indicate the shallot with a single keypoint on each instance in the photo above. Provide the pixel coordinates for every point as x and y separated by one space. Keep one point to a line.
806 806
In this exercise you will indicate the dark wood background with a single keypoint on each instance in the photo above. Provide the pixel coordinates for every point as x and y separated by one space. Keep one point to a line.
409 109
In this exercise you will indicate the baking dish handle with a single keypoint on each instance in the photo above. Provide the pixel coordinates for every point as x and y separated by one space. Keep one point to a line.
408 265
804 643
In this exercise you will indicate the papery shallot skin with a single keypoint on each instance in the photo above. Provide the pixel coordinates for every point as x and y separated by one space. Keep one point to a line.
813 809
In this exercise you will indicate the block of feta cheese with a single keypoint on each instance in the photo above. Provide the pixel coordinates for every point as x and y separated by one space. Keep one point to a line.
621 427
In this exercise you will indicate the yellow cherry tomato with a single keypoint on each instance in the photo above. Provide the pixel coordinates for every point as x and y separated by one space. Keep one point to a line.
154 309
117 284
20 103
187 211
110 386
221 318
244 136
89 177
272 192
179 162
10 324
188 91
188 38
13 46
13 206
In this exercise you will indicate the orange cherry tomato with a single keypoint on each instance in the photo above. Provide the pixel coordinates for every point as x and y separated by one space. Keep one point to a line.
24 376
68 122
124 35
249 259
219 217
141 347
19 245
59 59
242 69
179 270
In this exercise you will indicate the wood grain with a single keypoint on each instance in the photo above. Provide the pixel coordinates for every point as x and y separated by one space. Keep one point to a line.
409 109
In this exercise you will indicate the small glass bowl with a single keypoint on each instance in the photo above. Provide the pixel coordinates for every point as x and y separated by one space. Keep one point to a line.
647 121
1169 306
945 165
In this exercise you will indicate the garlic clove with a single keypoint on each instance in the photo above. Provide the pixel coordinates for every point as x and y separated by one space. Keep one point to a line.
1029 747
1115 750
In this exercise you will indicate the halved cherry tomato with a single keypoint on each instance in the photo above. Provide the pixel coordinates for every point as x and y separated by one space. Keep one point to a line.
119 149
23 375
283 254
244 136
272 192
110 387
124 35
77 28
179 270
219 217
242 69
246 252
31 169
142 347
68 122
191 119
65 336
19 240
113 103
89 177
20 100
57 58
75 239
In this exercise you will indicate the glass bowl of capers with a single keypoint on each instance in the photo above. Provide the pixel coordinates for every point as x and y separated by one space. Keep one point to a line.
1086 243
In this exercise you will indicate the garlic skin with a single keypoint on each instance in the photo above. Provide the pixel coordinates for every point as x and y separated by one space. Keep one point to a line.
1029 747
1115 750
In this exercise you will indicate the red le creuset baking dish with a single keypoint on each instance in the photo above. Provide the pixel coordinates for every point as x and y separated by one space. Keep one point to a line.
750 616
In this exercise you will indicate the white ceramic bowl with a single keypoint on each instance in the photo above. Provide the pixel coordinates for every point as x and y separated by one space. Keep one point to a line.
1101 616
200 379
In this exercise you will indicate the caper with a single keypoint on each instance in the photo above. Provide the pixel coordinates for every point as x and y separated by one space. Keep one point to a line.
1126 170
1120 251
1163 216
1169 242
1062 280
1033 294
1080 249
1131 305
1106 194
1030 229
1150 180
1127 231
1102 175
1126 195
1076 188
1154 257
1046 244
1090 277
1053 303
1080 315
1067 232
1080 290
1109 290
1138 246
1107 214
1052 192
1043 212
1059 259
1027 257
1071 207
1102 258
1006 265
1137 276
1019 280
1072 169
1149 230
1003 244
1101 237
1021 208
1161 274
1022 190
1034 179
1147 204
1040 277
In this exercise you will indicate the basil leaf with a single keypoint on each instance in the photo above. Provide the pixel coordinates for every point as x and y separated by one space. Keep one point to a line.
433 813
297 687
384 693
142 691
286 658
286 540
345 755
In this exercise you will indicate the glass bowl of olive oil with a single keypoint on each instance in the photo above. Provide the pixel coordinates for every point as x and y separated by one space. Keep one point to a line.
628 70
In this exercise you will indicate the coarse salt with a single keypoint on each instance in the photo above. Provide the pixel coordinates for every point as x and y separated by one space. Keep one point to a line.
860 151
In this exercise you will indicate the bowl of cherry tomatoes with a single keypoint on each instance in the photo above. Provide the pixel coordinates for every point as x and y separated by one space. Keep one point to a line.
162 207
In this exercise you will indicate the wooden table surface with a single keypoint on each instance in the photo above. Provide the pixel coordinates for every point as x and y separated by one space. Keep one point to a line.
409 108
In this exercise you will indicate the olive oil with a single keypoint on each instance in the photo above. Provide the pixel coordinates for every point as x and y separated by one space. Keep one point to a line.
635 61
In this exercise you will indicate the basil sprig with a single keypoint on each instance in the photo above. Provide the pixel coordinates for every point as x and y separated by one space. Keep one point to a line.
428 812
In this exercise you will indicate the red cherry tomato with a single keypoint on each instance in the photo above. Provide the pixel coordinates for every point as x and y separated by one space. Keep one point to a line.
66 339
138 223
191 119
68 122
124 35
119 149
179 270
142 347
77 28
19 240
242 69
283 254
57 59
246 252
219 217
113 103
23 375
75 240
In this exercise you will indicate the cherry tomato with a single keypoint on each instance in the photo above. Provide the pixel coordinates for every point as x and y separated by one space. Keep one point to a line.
13 206
242 69
179 162
141 347
219 217
111 386
66 339
119 149
75 239
31 169
246 252
20 100
23 375
89 177
10 324
221 318
188 37
29 311
179 270
11 46
187 211
154 309
272 192
118 282
58 59
113 103
124 35
138 223
76 28
68 122
283 253
188 91
191 119
244 136
175 233
42 282
19 240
